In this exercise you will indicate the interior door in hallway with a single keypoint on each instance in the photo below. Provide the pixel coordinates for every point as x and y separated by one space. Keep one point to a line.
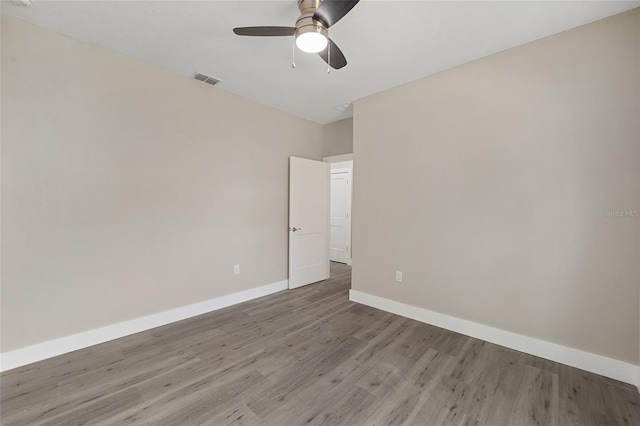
308 221
339 218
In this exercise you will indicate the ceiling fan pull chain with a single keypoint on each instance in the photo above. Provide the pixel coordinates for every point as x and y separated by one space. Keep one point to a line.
293 61
329 58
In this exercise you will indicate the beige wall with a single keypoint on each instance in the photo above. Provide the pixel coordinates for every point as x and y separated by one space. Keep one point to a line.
337 138
487 186
127 190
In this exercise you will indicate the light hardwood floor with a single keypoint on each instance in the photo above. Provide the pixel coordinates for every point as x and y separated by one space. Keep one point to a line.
308 356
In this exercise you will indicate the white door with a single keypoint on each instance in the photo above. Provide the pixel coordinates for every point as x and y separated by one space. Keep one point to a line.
308 221
339 220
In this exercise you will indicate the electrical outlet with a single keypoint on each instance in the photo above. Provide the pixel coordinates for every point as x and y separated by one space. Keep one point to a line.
236 269
398 276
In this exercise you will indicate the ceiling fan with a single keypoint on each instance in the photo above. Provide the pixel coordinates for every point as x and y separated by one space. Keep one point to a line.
312 29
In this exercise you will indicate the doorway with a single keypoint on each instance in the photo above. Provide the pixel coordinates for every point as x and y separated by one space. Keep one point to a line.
319 227
340 214
340 188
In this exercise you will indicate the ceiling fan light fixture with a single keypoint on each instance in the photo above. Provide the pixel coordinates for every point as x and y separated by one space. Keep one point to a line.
311 42
311 39
311 33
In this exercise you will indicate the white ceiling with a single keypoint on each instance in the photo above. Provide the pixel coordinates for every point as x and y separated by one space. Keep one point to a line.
387 43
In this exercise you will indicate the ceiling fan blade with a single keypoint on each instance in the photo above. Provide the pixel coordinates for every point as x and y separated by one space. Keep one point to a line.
265 31
337 57
331 11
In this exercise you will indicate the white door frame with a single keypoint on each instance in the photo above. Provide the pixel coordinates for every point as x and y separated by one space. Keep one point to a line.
338 158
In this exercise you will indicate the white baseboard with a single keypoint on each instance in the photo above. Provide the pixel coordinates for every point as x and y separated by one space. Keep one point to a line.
51 348
598 364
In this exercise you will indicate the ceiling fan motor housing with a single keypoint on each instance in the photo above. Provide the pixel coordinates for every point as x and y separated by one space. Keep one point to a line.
306 23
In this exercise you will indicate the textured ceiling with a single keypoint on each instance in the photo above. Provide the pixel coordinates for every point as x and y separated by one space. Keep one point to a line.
387 43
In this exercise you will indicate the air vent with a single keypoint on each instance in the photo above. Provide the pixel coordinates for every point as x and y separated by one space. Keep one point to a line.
206 79
344 107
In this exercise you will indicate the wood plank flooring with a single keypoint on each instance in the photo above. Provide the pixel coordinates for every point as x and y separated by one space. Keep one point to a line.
308 356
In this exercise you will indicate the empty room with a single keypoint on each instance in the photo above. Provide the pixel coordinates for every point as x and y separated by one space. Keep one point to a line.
322 212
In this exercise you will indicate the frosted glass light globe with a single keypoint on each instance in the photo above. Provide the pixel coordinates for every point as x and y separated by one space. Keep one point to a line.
311 42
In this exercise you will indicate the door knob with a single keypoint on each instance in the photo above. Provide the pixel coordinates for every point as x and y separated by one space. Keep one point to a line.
294 229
